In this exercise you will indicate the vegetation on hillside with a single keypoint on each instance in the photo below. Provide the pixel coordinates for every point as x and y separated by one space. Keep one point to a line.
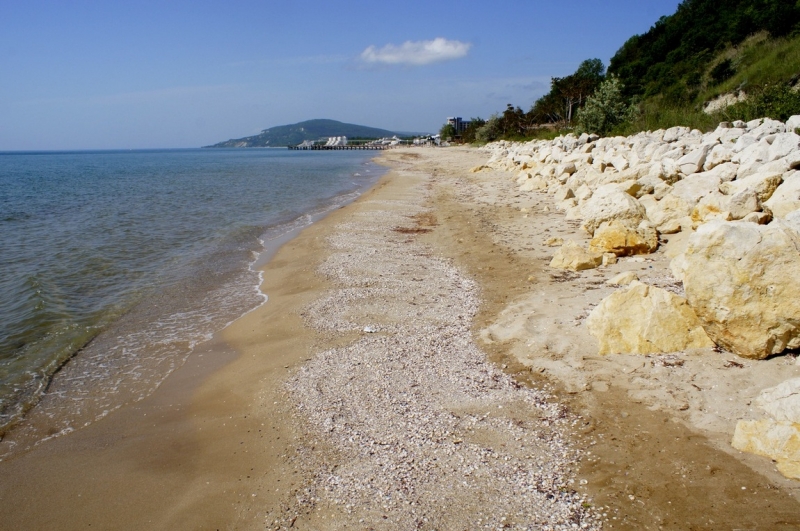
747 49
671 60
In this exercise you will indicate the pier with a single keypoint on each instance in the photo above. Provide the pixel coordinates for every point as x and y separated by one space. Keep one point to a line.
336 148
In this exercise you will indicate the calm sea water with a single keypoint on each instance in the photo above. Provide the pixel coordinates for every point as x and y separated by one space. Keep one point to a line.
118 263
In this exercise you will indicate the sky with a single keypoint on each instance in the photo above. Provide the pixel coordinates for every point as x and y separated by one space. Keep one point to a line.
173 74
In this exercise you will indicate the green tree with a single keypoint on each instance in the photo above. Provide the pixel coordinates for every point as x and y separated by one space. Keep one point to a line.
512 123
447 132
568 94
592 69
490 131
605 109
471 130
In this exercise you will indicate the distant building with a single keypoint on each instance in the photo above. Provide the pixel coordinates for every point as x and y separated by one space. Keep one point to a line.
459 124
337 141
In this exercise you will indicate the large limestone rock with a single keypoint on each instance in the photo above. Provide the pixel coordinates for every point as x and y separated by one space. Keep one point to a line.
786 197
693 161
778 440
572 256
719 154
792 221
667 170
744 203
674 133
642 319
726 171
667 213
712 206
782 402
739 278
534 183
763 184
692 189
751 158
623 279
783 145
610 203
793 123
615 237
778 437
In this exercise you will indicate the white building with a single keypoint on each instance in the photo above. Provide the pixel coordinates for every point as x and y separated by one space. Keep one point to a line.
459 124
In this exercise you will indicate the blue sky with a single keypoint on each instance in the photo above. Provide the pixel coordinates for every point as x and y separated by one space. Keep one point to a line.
108 75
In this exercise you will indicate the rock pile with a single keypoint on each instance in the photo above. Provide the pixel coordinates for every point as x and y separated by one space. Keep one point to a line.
737 191
736 188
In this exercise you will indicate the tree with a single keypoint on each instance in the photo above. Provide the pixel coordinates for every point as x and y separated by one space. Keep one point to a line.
568 94
447 132
592 69
490 131
512 122
470 132
605 109
574 89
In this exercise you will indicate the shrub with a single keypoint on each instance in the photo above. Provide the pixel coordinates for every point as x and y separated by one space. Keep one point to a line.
490 131
778 101
724 70
605 109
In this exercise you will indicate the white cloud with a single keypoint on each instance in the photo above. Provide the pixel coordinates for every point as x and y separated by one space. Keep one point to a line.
417 52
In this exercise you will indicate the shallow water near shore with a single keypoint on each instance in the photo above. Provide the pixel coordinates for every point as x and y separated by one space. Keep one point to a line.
116 264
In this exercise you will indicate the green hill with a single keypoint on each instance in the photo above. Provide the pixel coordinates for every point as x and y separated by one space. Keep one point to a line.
289 135
708 48
708 62
671 59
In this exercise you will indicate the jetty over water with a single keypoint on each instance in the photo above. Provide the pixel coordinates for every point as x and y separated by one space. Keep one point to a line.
337 148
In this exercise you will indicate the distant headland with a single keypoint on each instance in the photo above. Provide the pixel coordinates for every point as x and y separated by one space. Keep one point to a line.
290 135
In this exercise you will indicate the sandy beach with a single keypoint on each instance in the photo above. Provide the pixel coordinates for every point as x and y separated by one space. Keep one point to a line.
418 366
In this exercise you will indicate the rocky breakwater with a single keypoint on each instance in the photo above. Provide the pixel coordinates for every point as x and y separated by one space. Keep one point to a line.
733 193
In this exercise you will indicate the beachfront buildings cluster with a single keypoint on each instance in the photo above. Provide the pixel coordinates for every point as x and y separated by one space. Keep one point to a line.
337 141
459 124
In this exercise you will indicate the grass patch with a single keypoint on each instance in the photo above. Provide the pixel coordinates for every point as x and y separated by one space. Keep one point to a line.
757 62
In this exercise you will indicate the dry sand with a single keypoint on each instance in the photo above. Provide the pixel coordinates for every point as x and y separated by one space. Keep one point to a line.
366 393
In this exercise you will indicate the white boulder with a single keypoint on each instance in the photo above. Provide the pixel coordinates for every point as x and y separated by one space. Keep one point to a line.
610 203
786 197
782 402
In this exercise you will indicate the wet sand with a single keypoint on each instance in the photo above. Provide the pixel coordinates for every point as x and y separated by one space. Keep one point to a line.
228 442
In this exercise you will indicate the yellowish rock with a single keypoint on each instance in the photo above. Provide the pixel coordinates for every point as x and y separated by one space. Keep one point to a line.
609 259
623 279
741 279
534 183
778 440
554 242
573 256
712 206
615 237
642 319
609 203
763 183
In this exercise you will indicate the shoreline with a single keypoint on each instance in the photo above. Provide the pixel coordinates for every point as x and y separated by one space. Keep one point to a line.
115 447
123 304
229 448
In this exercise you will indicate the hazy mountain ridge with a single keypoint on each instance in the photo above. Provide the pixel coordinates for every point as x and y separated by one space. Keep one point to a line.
289 135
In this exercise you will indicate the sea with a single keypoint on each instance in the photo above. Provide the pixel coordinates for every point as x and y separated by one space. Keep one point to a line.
115 265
